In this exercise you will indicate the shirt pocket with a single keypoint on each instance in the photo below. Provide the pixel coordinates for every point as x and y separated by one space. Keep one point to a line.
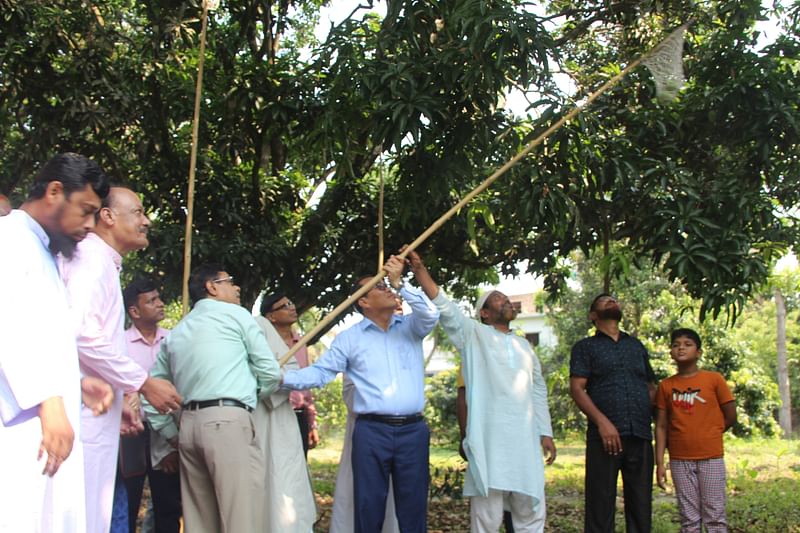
408 358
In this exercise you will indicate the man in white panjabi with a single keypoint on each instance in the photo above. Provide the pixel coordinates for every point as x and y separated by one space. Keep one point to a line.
291 507
40 383
507 421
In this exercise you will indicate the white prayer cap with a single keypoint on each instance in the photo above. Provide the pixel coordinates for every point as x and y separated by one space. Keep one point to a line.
481 302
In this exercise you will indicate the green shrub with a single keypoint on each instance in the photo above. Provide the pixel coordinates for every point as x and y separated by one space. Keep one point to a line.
440 408
331 410
565 416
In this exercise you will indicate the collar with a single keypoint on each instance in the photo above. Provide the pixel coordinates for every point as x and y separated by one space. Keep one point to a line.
32 225
511 331
134 335
95 241
210 303
366 322
598 333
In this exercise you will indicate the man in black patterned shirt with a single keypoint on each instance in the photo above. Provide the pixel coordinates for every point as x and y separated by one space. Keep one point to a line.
613 384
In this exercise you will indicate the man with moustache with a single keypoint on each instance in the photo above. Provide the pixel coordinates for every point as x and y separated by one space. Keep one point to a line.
503 412
612 382
219 360
383 356
95 298
342 519
39 374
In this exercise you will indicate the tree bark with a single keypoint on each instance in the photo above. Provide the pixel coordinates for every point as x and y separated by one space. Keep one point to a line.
785 413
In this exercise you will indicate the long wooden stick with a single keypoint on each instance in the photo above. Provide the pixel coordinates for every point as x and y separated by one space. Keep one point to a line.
380 224
464 201
198 93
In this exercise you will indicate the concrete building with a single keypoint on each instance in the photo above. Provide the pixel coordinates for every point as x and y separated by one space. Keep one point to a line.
532 320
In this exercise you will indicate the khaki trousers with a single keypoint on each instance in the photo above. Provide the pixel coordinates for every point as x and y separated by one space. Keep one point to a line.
222 471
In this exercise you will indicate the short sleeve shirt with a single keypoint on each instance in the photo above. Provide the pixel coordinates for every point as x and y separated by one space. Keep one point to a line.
694 409
618 374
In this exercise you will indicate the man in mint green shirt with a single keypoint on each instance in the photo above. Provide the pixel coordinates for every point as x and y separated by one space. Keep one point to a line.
219 361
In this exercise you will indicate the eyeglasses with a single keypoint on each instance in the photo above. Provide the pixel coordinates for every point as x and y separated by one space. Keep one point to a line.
381 286
287 305
229 279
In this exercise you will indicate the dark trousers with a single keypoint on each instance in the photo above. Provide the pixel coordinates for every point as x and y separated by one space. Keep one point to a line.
302 423
165 491
600 486
508 522
380 449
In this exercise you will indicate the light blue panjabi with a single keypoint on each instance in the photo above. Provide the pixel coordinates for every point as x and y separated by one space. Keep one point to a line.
507 406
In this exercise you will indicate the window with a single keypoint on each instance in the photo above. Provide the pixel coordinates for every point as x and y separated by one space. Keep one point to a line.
533 339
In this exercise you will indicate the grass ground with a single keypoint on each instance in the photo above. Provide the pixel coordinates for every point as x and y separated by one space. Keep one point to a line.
763 488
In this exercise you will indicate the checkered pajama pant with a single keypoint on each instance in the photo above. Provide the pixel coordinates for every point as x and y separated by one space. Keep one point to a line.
700 488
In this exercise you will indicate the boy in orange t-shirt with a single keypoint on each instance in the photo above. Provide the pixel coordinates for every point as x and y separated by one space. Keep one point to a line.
694 408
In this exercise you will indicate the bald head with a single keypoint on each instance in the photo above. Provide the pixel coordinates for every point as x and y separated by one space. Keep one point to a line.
122 221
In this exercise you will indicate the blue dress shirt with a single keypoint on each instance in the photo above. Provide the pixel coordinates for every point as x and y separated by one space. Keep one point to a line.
387 367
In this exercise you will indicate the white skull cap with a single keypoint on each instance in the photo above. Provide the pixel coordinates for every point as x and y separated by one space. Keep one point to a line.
481 302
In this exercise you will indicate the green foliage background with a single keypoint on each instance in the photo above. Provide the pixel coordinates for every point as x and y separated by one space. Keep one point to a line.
440 408
652 307
296 132
686 205
331 410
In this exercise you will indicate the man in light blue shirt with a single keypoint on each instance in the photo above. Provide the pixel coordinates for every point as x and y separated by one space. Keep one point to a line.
383 356
219 360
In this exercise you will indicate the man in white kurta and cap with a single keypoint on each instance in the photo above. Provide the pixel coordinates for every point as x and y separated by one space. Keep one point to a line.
291 507
507 419
40 384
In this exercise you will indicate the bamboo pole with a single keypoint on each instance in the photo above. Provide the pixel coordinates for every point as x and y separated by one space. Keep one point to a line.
198 93
380 224
611 82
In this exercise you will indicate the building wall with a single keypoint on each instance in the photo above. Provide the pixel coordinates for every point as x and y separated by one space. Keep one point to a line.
534 325
532 320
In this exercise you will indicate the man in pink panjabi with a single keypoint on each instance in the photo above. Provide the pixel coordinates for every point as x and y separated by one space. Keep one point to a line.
95 299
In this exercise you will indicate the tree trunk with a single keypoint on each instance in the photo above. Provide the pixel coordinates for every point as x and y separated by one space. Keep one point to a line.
785 414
